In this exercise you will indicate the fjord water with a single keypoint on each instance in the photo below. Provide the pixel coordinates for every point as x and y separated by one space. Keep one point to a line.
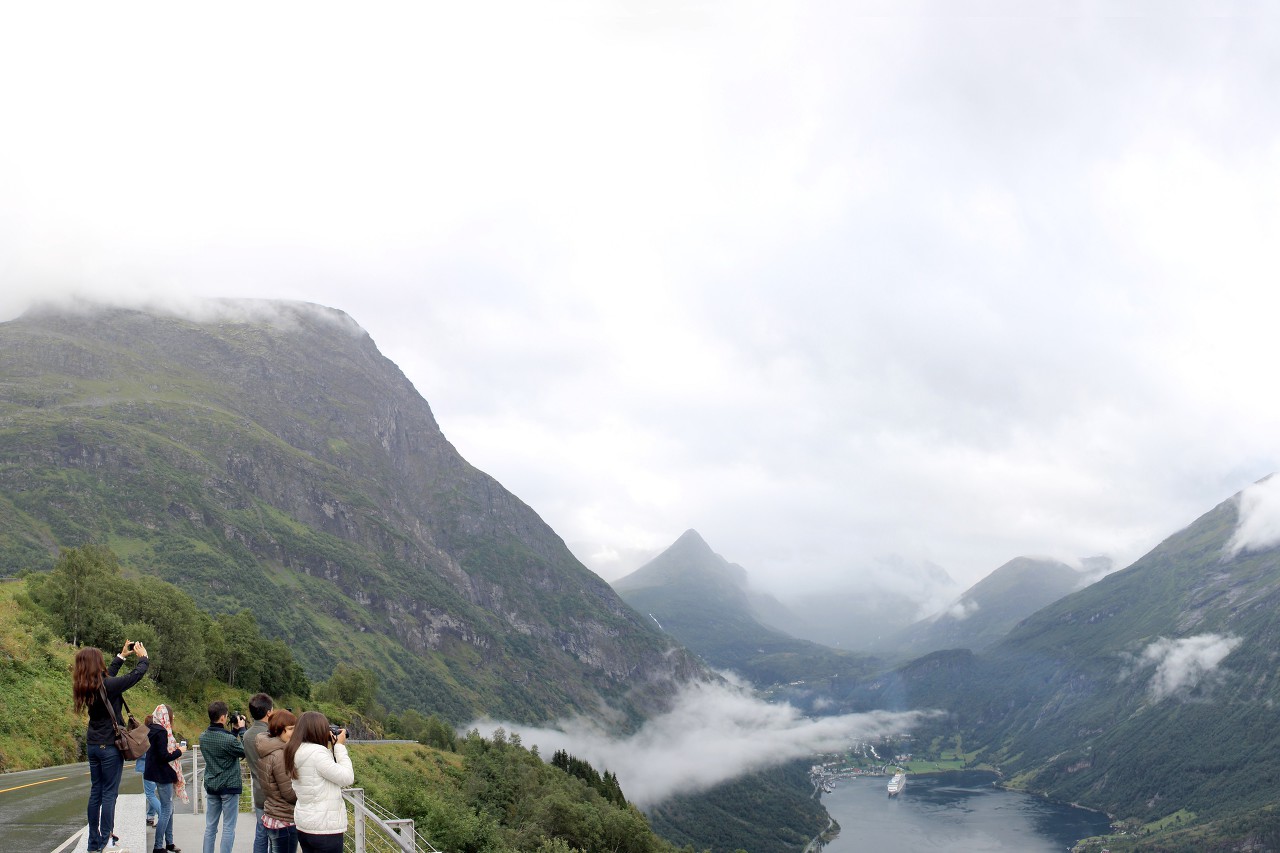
955 813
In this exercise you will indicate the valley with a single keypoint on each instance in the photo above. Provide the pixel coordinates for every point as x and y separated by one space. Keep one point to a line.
263 469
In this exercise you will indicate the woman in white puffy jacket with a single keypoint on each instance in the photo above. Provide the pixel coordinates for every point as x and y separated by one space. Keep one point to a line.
320 768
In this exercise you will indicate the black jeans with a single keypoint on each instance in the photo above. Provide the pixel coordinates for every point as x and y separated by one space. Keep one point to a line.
330 843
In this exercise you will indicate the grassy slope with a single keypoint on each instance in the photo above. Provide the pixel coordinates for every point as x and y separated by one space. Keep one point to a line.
37 725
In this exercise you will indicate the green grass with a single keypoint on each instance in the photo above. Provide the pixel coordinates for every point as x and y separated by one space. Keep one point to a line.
922 768
1177 820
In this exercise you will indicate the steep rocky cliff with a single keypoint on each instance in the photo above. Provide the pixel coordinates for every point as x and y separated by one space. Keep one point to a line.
266 455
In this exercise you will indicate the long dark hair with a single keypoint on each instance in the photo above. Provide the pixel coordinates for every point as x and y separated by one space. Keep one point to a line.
86 677
312 727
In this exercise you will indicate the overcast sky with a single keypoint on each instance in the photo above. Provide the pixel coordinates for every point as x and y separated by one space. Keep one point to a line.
823 282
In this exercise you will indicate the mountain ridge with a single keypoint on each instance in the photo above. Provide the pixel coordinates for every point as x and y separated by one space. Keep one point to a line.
1148 693
705 602
988 610
266 450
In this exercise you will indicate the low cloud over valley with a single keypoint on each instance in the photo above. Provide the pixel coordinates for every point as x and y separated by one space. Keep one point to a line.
713 733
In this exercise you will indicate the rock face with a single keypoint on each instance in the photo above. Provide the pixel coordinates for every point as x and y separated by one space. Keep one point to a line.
266 455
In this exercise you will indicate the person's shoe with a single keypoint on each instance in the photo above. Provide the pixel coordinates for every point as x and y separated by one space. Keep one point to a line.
151 821
173 849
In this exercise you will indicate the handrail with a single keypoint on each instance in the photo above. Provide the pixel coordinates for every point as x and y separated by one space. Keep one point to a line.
398 831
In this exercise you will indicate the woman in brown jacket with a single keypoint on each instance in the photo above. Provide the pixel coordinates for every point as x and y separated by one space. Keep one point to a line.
277 786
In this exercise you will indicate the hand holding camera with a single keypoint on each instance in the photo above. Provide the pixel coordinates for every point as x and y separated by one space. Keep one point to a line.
337 734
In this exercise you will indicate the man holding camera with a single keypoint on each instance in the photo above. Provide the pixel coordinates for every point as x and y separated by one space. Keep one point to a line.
222 751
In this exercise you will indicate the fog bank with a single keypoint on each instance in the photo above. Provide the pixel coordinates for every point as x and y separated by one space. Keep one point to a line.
713 733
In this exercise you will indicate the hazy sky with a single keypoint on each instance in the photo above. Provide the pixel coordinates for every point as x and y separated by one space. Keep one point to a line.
826 282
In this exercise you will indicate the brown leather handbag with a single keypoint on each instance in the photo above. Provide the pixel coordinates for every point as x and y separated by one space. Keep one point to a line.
132 740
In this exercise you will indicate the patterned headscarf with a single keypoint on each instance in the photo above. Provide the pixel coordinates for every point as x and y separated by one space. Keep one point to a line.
161 716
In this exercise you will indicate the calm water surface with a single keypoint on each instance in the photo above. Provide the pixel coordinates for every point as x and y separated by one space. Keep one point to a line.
954 812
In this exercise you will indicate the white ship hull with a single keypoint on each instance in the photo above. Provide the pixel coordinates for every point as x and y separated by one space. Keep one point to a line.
897 783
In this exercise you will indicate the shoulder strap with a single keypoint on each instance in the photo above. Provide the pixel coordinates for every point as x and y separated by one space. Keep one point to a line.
111 711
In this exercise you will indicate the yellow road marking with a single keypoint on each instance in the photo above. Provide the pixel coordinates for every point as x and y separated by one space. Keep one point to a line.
31 784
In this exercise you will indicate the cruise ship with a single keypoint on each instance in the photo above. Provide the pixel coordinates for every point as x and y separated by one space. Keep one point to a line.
897 783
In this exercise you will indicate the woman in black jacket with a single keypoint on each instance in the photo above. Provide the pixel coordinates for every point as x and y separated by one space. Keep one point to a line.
162 756
89 677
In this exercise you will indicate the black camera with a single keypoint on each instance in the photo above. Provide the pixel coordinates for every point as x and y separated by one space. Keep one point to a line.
334 731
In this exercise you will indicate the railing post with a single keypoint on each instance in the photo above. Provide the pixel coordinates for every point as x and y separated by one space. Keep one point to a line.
408 841
357 794
197 788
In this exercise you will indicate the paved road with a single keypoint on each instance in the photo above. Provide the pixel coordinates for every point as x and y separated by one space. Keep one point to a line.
40 808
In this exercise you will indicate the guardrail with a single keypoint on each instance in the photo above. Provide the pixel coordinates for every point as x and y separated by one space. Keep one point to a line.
373 829
370 828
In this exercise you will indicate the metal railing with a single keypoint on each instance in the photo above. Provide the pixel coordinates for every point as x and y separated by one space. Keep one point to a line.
370 827
373 829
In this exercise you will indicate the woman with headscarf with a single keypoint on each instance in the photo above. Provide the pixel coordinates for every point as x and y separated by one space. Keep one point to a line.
164 767
319 766
90 679
277 786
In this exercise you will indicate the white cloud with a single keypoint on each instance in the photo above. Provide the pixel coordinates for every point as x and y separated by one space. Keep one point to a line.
1258 527
822 283
1184 663
713 733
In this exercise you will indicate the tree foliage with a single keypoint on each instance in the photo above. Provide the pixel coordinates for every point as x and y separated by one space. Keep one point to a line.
88 601
355 687
501 796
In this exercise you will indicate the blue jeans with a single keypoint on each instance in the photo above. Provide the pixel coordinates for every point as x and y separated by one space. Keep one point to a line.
282 840
105 768
228 806
148 788
259 834
164 822
153 800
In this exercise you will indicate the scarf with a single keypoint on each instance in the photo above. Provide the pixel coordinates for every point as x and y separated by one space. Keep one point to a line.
161 716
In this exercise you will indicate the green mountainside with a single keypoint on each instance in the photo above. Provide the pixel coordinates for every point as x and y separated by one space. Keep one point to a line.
1150 694
992 607
702 600
267 457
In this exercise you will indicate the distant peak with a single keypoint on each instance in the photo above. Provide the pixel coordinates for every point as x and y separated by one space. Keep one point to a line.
689 557
691 536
